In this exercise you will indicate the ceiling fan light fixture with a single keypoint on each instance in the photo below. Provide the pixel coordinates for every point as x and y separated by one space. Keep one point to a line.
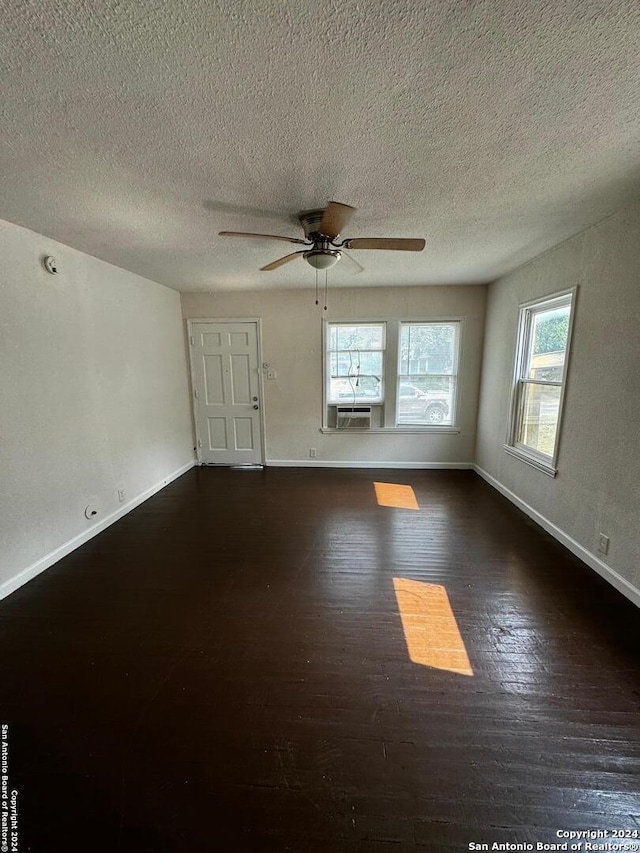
322 259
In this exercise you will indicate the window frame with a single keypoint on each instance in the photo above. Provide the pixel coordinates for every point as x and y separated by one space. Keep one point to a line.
391 365
527 311
328 352
402 377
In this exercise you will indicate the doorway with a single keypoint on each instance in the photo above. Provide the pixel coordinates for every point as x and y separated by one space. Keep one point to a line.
227 391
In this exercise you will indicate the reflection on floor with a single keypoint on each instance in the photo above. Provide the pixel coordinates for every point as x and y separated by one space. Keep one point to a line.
393 494
430 628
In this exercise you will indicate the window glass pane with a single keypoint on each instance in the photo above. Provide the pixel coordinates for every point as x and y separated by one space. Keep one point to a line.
370 363
357 337
425 400
428 348
427 368
549 331
354 389
356 362
539 408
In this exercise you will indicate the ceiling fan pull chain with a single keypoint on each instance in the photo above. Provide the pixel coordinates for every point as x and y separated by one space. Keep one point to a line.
326 275
316 287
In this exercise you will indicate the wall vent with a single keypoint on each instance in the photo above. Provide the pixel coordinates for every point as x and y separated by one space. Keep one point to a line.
353 417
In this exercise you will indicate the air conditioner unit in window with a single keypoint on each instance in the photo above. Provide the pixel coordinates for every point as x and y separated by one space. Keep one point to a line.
353 417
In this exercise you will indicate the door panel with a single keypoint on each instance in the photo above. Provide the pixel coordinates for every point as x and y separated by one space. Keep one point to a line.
211 339
213 382
243 433
239 339
217 433
240 379
224 359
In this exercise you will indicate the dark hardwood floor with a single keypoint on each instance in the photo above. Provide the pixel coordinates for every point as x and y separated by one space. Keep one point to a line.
225 669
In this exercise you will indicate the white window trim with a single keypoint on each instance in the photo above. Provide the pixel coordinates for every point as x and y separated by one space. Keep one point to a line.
374 401
392 346
540 461
415 430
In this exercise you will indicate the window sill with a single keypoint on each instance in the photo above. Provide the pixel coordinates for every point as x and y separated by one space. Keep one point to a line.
546 467
404 430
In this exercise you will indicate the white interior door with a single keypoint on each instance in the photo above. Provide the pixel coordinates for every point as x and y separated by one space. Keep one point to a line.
224 358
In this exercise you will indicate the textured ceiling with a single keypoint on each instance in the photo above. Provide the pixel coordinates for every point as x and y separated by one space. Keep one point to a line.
136 131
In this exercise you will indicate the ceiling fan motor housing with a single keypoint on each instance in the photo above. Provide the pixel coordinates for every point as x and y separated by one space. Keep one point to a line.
321 256
310 221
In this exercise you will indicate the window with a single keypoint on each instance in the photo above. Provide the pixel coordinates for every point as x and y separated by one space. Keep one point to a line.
427 372
405 371
544 333
355 363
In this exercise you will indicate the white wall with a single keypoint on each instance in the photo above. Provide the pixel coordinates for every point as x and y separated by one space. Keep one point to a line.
292 344
598 484
93 393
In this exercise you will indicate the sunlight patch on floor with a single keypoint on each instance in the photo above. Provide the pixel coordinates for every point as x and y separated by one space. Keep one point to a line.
430 628
392 494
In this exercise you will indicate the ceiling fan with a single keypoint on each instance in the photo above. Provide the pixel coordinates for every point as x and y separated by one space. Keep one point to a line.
321 228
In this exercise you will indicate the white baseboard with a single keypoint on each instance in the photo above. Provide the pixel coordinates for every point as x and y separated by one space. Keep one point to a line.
52 557
328 463
621 584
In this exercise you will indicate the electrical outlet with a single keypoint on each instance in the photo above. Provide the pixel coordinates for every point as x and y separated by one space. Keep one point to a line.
122 494
603 544
312 453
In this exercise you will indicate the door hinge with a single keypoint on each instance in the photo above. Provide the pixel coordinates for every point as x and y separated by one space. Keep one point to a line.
199 443
195 393
192 340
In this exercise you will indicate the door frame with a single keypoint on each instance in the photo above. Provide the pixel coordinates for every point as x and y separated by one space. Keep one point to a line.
257 321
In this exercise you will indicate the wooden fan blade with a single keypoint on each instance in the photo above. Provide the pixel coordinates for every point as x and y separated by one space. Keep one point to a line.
264 236
275 264
350 264
396 243
334 218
